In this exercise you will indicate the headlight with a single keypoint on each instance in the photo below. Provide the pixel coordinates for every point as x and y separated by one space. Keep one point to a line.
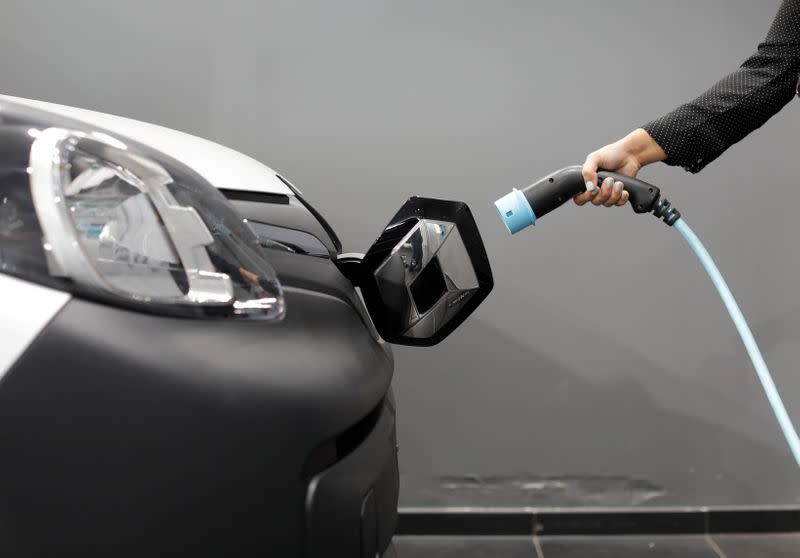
118 225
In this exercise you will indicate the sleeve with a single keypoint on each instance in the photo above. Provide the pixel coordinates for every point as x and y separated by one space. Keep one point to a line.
699 131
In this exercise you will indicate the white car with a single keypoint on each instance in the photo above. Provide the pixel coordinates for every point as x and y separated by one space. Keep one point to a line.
189 365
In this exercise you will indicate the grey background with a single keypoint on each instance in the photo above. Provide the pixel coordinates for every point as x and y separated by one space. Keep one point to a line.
603 369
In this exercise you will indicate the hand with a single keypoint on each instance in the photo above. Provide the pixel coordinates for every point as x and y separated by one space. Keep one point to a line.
625 156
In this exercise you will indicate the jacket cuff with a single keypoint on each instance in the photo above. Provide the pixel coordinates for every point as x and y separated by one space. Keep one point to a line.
678 143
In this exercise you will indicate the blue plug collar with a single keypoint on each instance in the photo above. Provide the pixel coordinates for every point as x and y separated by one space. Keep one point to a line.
515 211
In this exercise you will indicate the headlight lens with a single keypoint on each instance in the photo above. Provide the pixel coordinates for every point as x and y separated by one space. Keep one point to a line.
117 223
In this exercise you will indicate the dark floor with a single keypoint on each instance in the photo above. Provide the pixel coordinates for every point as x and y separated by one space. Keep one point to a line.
693 546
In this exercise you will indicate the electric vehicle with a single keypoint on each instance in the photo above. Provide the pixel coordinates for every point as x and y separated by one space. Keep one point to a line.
189 364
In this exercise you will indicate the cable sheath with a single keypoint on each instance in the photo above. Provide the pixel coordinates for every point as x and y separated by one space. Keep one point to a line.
771 391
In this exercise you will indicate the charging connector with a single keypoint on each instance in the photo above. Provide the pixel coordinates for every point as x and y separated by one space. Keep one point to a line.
553 190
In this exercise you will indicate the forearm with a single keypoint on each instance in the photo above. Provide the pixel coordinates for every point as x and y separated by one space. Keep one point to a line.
699 131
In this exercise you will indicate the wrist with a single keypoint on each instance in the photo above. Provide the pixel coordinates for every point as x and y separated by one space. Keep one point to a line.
641 145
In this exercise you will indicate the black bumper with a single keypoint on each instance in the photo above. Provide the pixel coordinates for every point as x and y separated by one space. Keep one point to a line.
351 507
126 434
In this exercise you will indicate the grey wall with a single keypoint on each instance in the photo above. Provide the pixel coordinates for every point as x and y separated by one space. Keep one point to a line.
603 368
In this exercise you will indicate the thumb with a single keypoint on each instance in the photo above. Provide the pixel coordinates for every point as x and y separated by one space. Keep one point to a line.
589 171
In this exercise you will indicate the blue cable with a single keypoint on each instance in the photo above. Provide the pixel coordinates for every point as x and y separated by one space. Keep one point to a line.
767 382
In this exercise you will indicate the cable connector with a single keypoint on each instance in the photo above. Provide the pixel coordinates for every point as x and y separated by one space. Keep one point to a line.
662 209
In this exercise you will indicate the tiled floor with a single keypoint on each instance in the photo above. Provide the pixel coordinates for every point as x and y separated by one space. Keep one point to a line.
696 546
769 546
464 547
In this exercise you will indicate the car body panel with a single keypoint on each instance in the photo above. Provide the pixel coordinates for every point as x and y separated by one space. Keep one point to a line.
32 306
221 166
125 432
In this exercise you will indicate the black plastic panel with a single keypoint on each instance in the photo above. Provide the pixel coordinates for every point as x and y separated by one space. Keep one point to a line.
292 215
288 239
351 507
127 434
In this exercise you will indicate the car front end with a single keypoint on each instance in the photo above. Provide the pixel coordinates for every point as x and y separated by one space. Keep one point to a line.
191 366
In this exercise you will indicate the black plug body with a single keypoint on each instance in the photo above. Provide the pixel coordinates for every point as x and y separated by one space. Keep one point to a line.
557 188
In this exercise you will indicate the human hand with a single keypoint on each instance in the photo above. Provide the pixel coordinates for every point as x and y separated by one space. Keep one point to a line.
625 156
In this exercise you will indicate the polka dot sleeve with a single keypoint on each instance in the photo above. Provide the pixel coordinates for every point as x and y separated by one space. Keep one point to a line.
699 131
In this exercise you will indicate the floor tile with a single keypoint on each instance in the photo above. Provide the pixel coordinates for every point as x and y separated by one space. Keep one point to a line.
693 546
754 521
755 546
473 523
464 547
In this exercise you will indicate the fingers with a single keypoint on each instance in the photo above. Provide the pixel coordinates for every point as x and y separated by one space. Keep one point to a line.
605 192
616 194
584 197
609 194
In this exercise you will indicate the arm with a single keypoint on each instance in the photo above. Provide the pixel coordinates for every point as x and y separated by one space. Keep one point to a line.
699 131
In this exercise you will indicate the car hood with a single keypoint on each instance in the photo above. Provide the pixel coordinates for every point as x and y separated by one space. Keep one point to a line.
221 166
